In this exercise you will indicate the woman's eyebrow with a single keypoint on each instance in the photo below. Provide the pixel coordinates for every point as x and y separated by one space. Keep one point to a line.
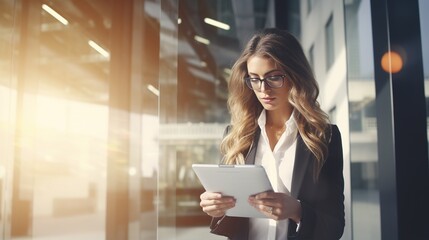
269 72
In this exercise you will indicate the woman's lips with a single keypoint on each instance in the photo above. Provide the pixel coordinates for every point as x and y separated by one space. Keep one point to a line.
267 99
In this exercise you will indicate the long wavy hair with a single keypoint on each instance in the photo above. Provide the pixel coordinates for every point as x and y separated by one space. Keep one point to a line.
313 123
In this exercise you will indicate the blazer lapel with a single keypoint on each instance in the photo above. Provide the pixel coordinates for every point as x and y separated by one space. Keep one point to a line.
302 157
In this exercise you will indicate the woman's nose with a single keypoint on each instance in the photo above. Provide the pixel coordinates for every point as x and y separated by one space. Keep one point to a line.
264 86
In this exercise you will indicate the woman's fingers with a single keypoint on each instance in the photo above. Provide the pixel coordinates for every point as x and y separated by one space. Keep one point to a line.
274 205
218 210
267 199
220 203
218 207
209 199
214 204
266 195
268 210
210 195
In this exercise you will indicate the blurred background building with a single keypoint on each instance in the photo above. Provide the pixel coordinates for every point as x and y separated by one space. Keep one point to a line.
106 104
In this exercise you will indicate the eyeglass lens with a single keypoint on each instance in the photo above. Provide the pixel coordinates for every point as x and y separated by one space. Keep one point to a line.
271 81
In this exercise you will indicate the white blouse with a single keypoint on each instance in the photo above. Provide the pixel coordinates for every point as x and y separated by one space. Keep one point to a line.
279 166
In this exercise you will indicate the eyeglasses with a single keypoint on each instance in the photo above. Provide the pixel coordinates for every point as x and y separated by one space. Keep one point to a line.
275 81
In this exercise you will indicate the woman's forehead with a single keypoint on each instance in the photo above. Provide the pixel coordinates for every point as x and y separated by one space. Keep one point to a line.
258 64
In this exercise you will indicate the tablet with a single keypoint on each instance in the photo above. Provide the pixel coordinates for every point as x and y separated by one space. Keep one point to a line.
239 181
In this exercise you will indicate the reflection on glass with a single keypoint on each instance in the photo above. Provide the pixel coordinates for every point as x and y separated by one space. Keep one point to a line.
73 134
193 93
68 173
362 122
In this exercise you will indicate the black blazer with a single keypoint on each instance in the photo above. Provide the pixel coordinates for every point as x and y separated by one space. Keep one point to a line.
322 201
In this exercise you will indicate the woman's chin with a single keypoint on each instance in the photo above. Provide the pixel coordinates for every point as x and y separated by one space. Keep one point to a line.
269 107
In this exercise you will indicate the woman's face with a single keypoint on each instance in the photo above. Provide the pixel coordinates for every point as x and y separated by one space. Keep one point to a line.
270 98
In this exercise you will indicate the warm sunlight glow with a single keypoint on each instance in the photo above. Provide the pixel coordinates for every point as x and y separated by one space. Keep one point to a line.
55 14
217 24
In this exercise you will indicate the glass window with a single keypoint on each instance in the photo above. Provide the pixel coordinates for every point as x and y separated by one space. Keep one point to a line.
78 91
194 113
330 47
362 121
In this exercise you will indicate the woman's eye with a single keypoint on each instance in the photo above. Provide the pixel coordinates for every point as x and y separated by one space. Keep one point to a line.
274 78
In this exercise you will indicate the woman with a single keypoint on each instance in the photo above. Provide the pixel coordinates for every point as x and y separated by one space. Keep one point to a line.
277 122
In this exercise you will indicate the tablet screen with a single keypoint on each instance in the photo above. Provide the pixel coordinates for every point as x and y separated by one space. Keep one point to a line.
238 181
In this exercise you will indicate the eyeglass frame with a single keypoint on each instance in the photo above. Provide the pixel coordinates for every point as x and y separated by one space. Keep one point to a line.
261 80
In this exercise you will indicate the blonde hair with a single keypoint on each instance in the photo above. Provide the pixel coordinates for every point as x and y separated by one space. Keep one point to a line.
313 123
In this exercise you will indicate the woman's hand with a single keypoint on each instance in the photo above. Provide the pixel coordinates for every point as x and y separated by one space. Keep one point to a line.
276 205
215 205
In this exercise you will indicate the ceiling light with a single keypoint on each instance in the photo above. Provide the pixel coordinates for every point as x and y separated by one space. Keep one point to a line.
216 23
202 40
55 14
98 48
153 89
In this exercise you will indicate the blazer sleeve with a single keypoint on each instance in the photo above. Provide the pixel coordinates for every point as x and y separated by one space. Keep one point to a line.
323 205
231 227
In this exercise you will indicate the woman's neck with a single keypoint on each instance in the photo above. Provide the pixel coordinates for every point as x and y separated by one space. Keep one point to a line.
275 125
277 119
